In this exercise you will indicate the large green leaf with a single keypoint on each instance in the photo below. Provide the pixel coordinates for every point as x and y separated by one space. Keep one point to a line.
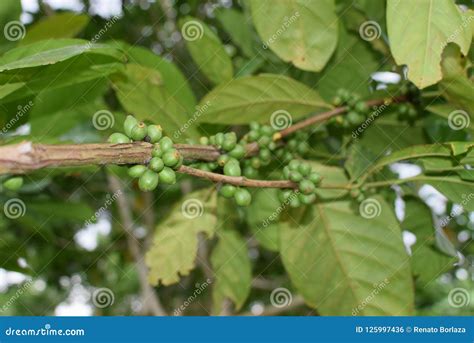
12 29
173 80
62 25
351 66
419 31
427 261
343 263
454 188
257 98
232 270
207 50
237 27
175 244
141 91
302 32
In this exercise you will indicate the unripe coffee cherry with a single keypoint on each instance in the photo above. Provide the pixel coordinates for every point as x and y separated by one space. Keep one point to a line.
307 199
167 176
238 152
242 197
148 181
304 169
254 126
255 162
266 130
171 158
361 107
295 176
128 125
294 164
219 139
137 171
315 178
265 154
250 172
228 191
156 164
13 183
154 132
253 136
157 151
295 202
204 141
139 131
232 168
166 144
118 138
222 160
306 187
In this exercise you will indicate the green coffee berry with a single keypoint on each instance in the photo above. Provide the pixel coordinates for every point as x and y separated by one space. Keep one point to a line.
154 132
222 160
181 160
265 154
128 125
272 145
139 131
255 162
232 168
403 109
412 113
228 191
156 164
157 151
148 181
253 136
353 117
211 165
118 138
228 145
361 107
13 183
286 172
242 197
306 187
204 141
294 164
137 171
285 195
302 148
307 199
264 141
166 144
294 202
171 158
254 126
295 176
250 172
292 144
266 130
167 176
220 137
337 100
304 169
315 178
237 152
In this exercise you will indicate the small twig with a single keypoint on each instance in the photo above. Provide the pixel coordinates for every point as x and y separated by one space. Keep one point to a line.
151 299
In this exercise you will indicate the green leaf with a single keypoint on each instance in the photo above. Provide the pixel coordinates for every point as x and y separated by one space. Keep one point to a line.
350 67
173 80
175 244
345 264
288 28
257 97
10 11
445 110
454 188
262 217
419 31
427 261
232 270
235 25
207 50
141 92
62 25
331 176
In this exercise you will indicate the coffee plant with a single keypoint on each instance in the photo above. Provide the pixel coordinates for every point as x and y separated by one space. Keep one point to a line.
255 157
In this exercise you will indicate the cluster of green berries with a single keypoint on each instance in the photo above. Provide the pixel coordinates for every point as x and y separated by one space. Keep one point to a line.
307 180
14 183
357 109
165 158
263 135
296 146
407 112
